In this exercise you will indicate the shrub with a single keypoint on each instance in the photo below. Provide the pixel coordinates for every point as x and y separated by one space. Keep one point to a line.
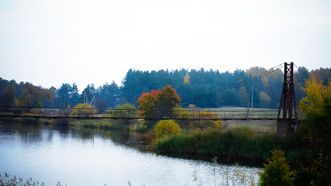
83 109
124 110
166 128
276 171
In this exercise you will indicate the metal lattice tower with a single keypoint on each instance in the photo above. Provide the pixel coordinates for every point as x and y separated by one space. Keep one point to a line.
287 105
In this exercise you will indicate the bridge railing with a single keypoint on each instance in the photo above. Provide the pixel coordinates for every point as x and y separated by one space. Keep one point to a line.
179 114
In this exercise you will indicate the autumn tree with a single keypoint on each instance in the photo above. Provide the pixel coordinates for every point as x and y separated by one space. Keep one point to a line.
167 99
316 107
158 103
33 96
148 103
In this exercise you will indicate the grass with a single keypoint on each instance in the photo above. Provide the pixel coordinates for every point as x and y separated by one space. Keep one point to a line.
237 145
265 126
98 124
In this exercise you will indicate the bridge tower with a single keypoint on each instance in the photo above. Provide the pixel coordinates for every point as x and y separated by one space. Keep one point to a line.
287 111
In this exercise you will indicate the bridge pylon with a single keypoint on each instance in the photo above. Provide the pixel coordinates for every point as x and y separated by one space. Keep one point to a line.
287 111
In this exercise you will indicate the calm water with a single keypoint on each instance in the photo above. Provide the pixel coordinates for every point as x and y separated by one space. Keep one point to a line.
85 158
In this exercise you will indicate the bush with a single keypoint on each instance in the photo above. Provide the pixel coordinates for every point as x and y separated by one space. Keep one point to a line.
125 110
83 109
276 171
166 128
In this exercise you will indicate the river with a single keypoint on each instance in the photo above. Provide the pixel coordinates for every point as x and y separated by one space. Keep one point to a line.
81 158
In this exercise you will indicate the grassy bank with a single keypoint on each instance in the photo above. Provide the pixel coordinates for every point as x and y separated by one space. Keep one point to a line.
238 145
97 124
103 124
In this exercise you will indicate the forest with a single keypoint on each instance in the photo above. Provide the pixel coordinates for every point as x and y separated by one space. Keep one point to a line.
201 88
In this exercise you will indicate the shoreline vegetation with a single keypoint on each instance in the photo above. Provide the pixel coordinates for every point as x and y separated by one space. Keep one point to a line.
229 145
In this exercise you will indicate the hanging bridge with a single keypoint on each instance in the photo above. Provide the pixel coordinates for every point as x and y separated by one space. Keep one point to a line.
286 115
129 114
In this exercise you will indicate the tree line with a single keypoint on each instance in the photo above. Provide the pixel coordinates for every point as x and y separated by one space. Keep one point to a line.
202 88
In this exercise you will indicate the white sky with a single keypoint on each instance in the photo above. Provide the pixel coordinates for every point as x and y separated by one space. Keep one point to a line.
48 42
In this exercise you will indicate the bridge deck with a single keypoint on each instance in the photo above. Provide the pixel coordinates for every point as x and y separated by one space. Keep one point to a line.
130 114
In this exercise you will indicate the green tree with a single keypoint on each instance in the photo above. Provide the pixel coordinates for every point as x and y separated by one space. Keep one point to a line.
300 78
322 74
68 95
276 171
108 95
89 93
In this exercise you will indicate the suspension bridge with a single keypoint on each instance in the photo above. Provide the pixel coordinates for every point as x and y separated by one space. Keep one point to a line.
286 115
129 114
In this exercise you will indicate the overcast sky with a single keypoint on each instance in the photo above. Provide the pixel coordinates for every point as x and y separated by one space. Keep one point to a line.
48 42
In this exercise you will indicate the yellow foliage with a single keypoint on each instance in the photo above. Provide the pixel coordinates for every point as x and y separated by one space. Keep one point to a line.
166 128
187 78
317 94
83 108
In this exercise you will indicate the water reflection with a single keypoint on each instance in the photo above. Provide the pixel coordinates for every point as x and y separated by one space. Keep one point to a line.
28 134
32 133
89 157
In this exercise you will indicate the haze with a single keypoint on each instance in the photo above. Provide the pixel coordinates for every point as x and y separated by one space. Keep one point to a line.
48 42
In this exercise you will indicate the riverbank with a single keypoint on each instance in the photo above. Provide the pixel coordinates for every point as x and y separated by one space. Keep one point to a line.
238 145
